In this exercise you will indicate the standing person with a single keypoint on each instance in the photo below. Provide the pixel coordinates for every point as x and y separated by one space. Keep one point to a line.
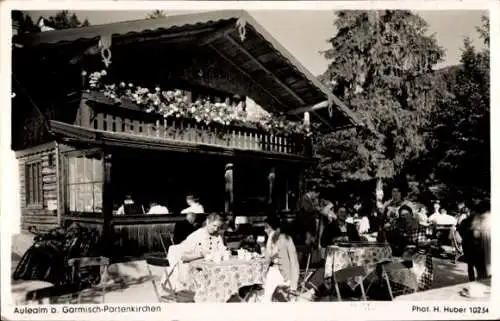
184 228
306 223
462 215
282 255
130 207
391 207
194 205
437 208
421 215
475 231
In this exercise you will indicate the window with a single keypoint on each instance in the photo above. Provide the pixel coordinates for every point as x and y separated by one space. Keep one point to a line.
33 181
84 187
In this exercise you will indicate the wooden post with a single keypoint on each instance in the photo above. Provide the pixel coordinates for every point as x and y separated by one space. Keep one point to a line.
271 178
59 184
229 189
287 207
107 204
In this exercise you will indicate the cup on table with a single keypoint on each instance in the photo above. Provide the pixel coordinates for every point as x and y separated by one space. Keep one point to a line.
227 255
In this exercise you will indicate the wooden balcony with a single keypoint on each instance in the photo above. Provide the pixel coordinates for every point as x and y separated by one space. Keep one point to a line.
100 113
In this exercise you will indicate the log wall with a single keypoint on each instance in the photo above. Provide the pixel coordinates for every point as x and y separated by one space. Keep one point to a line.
38 214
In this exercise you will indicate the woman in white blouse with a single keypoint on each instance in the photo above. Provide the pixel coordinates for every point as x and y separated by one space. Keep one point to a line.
194 206
204 241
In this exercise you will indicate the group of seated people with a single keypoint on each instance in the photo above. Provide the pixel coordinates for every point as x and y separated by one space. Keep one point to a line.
277 247
130 207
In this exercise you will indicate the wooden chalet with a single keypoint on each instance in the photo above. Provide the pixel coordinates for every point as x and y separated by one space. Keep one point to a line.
79 152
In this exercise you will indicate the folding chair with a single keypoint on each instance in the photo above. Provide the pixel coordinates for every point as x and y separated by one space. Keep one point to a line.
393 267
166 240
77 264
170 294
344 275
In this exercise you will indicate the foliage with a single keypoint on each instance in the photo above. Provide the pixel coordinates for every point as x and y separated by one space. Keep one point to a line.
174 103
381 65
62 20
459 139
156 14
66 20
24 21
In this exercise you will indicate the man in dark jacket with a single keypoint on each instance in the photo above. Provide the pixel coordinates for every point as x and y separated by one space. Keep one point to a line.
184 228
339 230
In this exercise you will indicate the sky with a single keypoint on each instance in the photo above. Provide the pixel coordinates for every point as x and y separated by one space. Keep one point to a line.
305 33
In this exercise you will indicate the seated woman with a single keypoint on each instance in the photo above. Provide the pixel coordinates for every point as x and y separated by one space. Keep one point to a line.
194 205
408 240
202 243
282 255
339 230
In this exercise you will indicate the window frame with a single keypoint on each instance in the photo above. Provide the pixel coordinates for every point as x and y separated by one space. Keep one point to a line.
86 154
33 184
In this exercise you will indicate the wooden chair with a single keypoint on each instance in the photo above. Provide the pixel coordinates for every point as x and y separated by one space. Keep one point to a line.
344 275
77 264
387 268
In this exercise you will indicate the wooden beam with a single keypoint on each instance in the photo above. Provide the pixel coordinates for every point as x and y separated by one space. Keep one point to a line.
301 110
219 34
261 66
156 38
246 74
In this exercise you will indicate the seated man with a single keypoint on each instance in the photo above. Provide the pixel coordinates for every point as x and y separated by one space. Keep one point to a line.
156 208
129 207
185 228
339 230
442 218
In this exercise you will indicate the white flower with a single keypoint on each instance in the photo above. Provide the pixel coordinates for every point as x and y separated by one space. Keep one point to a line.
122 85
193 109
84 73
178 92
103 73
130 84
157 89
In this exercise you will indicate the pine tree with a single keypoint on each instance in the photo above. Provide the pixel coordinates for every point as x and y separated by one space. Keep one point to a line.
381 65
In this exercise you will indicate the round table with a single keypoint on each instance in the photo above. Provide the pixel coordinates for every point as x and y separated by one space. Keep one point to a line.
217 282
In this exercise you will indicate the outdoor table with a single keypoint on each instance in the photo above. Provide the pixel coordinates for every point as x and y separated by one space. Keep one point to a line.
217 282
346 255
417 277
449 293
20 290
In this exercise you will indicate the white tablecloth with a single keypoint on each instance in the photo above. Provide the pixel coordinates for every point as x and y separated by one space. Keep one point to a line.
449 293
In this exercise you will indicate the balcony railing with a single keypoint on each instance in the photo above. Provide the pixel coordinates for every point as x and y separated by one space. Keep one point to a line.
100 113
